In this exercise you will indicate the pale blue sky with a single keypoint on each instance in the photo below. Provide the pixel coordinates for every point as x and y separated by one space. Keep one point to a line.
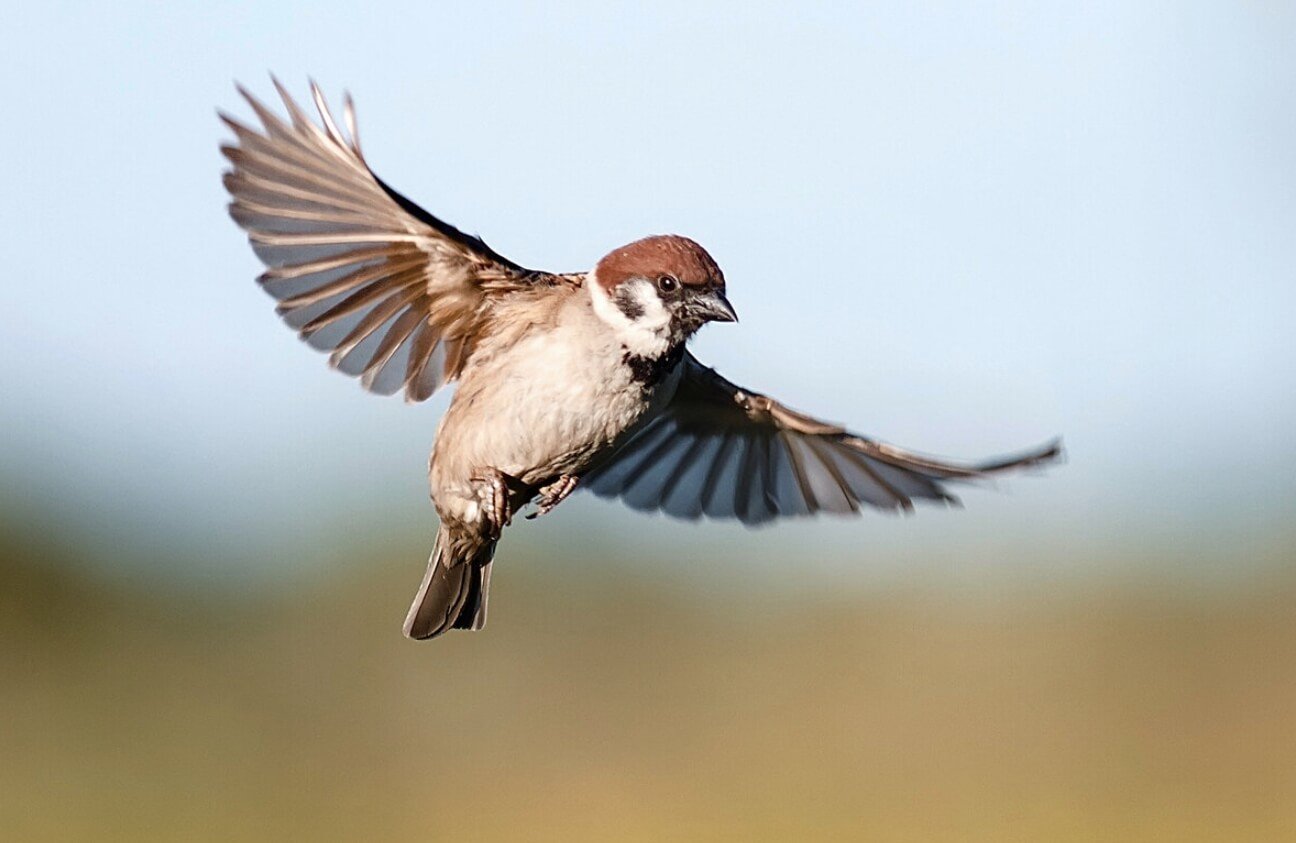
961 231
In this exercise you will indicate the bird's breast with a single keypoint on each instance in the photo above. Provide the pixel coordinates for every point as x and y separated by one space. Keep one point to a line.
548 404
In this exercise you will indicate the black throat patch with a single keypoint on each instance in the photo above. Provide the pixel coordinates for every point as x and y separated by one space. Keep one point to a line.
650 371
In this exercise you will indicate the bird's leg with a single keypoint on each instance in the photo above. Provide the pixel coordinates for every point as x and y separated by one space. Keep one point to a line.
492 491
554 494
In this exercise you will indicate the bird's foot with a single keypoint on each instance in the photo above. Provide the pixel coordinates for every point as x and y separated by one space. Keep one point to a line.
554 494
492 491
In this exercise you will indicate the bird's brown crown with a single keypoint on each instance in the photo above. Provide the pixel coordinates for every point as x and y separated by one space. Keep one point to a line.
664 254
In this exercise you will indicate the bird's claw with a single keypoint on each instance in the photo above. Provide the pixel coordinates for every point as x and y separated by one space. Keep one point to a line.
554 494
492 489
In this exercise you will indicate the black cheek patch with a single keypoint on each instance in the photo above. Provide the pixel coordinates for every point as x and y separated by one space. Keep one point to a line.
627 303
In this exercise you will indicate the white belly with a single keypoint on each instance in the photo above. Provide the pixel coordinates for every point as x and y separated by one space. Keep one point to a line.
545 406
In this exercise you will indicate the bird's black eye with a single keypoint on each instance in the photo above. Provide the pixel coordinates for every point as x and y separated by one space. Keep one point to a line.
667 283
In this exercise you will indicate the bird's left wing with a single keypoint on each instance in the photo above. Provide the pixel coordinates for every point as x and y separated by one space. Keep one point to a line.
397 295
726 452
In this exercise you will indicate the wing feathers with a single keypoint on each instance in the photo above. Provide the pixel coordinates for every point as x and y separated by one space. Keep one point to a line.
687 503
362 300
421 351
385 372
394 293
833 473
363 274
728 453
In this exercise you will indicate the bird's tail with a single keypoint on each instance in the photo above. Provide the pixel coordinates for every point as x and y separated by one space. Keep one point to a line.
454 589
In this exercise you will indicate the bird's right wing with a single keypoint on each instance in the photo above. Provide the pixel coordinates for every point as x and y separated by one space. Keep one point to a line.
397 295
725 452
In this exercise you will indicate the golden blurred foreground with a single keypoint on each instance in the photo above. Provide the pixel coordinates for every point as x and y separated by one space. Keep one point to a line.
605 707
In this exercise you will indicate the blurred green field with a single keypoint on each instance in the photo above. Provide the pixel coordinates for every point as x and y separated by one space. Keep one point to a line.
599 706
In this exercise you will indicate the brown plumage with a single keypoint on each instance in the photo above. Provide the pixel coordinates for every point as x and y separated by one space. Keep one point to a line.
397 296
561 381
672 255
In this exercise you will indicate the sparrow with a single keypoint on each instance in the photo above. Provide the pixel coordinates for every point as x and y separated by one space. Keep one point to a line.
564 379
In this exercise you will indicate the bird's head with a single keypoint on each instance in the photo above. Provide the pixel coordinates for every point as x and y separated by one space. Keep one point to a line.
656 292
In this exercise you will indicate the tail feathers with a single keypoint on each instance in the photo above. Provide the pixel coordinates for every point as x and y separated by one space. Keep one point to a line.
454 591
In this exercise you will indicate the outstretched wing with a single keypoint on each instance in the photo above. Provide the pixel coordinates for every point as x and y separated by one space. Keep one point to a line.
395 294
725 452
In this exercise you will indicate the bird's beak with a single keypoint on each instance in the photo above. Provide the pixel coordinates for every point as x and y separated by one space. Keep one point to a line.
714 307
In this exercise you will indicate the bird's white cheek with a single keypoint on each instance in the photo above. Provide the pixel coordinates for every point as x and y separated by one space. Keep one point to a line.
648 334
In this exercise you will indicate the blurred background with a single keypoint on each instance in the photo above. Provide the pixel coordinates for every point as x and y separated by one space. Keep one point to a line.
960 230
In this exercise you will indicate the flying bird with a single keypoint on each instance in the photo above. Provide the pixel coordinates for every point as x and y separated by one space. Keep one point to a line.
564 379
